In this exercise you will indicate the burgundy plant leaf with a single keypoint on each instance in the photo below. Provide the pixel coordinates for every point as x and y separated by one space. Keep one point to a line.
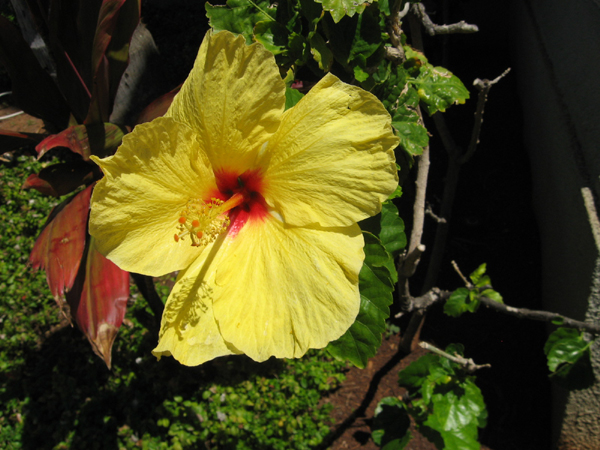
70 34
10 140
33 89
59 247
63 178
101 139
117 20
33 181
98 300
118 50
158 107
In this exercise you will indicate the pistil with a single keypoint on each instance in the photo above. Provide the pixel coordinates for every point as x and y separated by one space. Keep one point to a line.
204 221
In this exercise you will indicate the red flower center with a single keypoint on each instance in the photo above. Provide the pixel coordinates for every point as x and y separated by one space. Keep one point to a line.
250 185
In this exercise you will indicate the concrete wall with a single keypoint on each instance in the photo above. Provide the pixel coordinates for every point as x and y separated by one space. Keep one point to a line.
557 48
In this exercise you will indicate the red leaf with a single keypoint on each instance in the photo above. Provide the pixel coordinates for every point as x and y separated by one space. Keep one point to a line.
59 247
100 139
11 140
60 179
98 300
158 107
117 20
33 181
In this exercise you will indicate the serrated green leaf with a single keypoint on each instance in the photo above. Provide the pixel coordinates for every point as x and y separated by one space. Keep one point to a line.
413 137
398 192
363 338
292 97
392 233
460 302
360 74
478 273
391 423
240 16
438 88
272 35
321 53
341 8
569 359
483 281
402 102
492 295
416 373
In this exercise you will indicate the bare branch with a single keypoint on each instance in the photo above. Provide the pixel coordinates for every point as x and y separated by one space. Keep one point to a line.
467 282
484 87
419 305
395 54
544 316
432 29
430 213
469 364
425 301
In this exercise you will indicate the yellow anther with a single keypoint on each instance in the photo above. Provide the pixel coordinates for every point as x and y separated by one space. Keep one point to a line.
204 221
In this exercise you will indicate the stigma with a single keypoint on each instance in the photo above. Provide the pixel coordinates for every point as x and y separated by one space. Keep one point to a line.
202 222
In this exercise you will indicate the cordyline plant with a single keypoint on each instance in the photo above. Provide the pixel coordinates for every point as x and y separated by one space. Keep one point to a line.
71 82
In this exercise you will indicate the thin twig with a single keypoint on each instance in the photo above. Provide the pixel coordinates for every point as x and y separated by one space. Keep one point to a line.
460 274
433 29
469 364
484 87
430 213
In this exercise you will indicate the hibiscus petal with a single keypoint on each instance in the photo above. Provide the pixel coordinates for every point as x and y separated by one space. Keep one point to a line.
147 183
189 332
279 291
332 160
233 98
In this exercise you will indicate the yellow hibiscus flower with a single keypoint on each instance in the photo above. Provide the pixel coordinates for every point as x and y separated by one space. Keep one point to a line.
256 207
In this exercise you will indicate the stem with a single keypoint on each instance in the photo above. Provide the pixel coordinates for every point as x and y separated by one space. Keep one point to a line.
146 286
469 364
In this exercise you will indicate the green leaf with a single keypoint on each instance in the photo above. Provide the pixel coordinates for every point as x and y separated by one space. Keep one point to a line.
239 16
446 405
292 96
398 192
402 102
438 88
460 302
392 233
272 35
341 8
492 295
413 136
569 359
391 423
478 273
321 53
413 376
363 338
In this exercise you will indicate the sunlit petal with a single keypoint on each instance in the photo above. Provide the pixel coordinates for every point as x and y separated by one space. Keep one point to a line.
147 183
280 291
233 99
331 162
189 332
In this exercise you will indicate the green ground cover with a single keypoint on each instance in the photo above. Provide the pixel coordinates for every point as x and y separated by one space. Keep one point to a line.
56 394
